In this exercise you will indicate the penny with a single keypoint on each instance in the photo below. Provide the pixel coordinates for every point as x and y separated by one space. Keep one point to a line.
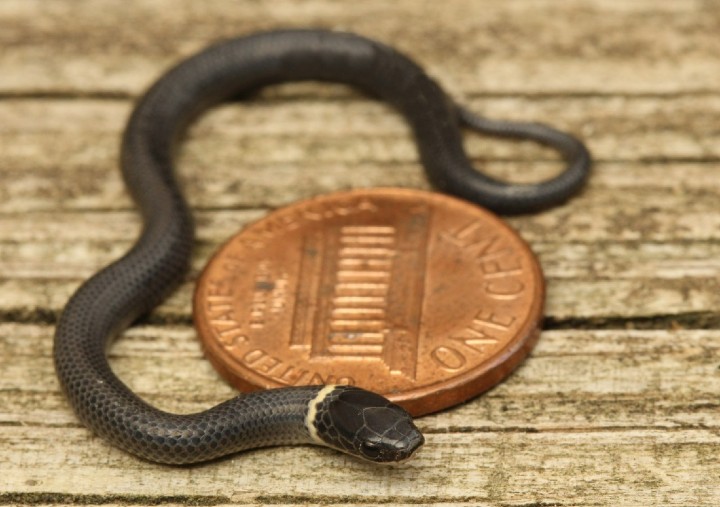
421 297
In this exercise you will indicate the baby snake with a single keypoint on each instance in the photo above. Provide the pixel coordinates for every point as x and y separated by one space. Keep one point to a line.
346 418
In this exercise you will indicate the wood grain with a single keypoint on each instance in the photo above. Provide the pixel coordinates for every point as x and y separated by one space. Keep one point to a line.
618 403
585 407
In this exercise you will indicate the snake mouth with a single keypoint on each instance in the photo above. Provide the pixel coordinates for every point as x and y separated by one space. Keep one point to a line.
409 453
404 450
415 443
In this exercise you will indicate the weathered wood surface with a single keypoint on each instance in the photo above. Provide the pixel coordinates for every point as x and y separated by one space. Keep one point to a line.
616 406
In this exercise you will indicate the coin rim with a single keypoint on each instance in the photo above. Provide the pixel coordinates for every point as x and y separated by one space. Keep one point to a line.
428 398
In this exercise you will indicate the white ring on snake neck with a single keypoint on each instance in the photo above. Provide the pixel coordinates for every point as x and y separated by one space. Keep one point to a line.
312 412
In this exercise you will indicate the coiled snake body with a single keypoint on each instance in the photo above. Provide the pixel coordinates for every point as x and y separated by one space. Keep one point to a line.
346 418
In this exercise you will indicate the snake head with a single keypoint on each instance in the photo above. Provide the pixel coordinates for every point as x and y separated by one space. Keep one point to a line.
366 425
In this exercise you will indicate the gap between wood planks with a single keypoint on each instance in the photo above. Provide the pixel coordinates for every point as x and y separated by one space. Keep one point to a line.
689 320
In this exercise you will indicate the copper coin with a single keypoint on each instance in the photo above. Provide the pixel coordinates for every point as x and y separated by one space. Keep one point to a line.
422 297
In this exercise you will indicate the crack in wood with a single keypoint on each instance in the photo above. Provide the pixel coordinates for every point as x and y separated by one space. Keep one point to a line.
43 498
690 320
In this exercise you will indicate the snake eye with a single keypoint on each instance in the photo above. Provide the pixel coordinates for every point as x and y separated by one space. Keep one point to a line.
370 450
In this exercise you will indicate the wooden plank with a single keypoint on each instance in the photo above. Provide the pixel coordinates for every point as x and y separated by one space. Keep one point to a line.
585 280
256 154
525 46
76 258
663 467
572 374
560 415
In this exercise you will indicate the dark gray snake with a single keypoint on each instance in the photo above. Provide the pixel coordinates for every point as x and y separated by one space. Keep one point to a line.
346 418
